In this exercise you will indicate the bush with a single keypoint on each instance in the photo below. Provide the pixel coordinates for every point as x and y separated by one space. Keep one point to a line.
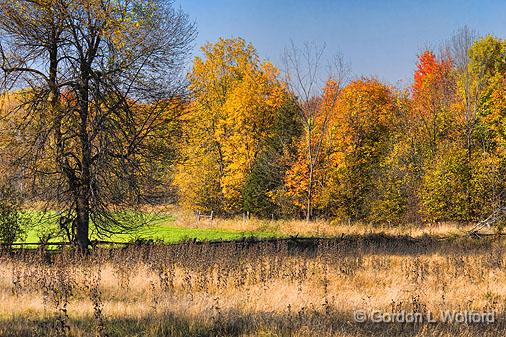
10 219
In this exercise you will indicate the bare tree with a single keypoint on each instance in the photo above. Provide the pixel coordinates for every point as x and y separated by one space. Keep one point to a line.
97 84
307 74
458 49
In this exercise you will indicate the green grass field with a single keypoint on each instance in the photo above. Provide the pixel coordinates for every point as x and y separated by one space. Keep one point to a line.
161 228
165 229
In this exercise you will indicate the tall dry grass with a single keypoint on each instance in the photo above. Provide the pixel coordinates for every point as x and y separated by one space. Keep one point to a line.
316 228
254 288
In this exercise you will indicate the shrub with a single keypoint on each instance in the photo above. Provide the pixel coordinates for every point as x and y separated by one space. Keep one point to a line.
10 219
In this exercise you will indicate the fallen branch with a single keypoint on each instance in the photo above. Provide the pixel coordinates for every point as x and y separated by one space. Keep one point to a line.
494 218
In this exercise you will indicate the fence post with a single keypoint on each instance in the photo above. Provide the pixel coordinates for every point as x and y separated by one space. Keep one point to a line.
212 215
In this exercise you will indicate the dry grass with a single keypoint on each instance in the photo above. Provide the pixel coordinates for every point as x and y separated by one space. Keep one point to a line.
318 228
273 288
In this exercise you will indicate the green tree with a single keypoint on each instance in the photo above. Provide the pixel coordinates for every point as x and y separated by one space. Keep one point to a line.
266 177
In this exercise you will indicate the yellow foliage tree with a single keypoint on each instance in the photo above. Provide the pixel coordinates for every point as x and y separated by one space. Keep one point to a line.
236 102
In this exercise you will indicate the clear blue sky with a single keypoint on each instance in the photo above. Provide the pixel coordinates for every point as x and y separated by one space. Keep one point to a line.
378 38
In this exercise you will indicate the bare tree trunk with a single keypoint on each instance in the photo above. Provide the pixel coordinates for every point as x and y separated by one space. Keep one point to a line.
82 223
310 194
310 177
84 184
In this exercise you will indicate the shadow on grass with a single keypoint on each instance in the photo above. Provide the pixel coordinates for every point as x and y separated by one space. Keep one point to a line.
345 245
235 324
352 244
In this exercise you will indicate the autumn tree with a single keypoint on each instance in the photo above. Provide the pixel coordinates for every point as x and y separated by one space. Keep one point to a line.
488 68
238 123
98 80
460 179
469 82
434 123
361 130
433 92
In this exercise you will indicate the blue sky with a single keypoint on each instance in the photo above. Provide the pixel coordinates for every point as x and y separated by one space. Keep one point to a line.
378 38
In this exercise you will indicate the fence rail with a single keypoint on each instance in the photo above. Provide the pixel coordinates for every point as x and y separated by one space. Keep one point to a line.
199 215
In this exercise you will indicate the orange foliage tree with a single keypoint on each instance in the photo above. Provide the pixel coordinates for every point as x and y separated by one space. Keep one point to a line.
433 95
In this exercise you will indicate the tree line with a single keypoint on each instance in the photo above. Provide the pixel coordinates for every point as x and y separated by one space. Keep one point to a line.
99 118
272 144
